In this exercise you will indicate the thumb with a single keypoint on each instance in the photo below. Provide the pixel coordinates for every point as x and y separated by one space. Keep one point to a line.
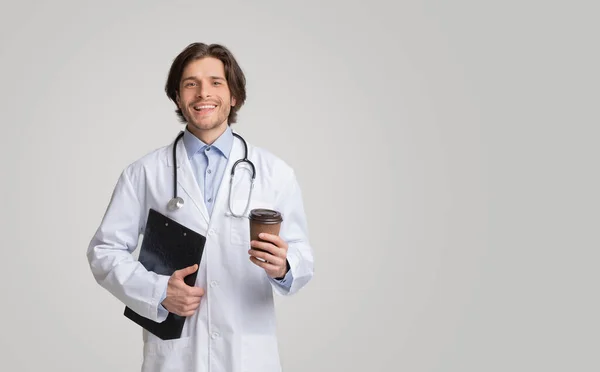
182 273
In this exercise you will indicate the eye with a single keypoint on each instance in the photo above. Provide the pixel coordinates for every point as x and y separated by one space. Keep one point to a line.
217 83
190 84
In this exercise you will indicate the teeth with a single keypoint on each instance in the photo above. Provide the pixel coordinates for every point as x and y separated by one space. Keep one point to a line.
204 107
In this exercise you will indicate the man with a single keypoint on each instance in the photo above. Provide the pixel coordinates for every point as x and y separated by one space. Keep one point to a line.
230 324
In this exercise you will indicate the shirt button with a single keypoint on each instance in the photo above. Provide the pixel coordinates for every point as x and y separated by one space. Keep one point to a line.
209 200
214 283
208 149
215 335
209 171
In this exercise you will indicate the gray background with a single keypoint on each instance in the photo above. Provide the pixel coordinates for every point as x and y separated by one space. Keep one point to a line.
447 152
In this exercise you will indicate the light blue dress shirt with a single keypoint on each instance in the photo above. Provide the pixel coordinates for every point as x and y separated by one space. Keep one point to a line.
208 164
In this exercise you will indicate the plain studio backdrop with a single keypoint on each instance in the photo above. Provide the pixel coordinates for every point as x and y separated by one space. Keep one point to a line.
447 153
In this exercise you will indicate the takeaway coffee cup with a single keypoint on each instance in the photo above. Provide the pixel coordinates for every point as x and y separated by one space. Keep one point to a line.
264 221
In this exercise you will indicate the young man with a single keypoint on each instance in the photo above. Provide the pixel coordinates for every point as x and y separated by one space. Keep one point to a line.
230 324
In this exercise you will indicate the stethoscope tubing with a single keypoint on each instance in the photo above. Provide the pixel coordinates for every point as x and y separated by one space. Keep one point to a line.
177 202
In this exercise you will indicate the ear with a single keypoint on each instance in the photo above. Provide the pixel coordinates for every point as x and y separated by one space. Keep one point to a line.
177 99
233 101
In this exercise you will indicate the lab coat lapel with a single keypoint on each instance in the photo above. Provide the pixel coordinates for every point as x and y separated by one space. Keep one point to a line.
186 180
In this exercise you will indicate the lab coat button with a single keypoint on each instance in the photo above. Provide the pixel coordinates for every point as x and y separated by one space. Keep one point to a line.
215 335
214 283
211 232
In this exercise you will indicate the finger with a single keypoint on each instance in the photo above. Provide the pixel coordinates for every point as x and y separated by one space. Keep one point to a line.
182 273
191 307
195 292
267 257
265 265
269 247
192 300
275 239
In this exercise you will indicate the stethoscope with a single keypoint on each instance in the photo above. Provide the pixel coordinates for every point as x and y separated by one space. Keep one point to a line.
177 202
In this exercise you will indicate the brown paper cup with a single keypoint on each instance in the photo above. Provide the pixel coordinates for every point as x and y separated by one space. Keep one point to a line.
264 220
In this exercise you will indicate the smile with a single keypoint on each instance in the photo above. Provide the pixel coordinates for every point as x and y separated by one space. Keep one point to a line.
204 108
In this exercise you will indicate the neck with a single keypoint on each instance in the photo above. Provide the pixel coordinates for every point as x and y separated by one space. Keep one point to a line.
207 136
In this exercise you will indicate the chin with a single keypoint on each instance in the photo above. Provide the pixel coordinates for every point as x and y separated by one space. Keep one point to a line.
205 126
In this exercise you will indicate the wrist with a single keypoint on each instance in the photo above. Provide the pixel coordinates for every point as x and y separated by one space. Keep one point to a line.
285 270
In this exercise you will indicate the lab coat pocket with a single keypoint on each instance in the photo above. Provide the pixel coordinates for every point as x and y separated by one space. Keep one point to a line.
240 226
260 353
168 355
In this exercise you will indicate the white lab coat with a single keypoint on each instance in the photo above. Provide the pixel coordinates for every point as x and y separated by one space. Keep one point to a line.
234 328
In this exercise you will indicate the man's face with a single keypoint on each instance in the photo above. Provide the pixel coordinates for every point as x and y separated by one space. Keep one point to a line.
204 97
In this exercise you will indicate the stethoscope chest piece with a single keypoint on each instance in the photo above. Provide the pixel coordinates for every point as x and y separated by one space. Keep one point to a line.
175 203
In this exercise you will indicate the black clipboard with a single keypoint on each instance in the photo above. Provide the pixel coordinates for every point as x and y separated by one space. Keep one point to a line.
167 246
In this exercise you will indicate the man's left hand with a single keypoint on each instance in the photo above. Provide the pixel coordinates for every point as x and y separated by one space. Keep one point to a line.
275 254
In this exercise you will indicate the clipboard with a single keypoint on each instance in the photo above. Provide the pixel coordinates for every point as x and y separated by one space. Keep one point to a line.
167 246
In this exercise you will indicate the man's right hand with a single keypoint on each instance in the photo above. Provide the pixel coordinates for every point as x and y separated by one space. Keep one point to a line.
182 299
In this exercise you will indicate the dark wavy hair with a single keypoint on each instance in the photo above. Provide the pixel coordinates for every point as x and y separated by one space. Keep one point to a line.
233 73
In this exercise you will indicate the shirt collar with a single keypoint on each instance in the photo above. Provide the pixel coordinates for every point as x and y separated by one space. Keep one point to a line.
193 144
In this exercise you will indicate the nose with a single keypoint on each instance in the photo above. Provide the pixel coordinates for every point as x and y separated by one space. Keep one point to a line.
203 90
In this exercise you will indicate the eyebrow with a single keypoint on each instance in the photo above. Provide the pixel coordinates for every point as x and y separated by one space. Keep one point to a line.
212 77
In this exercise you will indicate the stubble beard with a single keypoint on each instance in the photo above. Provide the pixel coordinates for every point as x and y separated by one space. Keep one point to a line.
200 126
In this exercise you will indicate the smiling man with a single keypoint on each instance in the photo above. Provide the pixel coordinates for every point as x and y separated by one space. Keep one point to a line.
204 98
230 317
